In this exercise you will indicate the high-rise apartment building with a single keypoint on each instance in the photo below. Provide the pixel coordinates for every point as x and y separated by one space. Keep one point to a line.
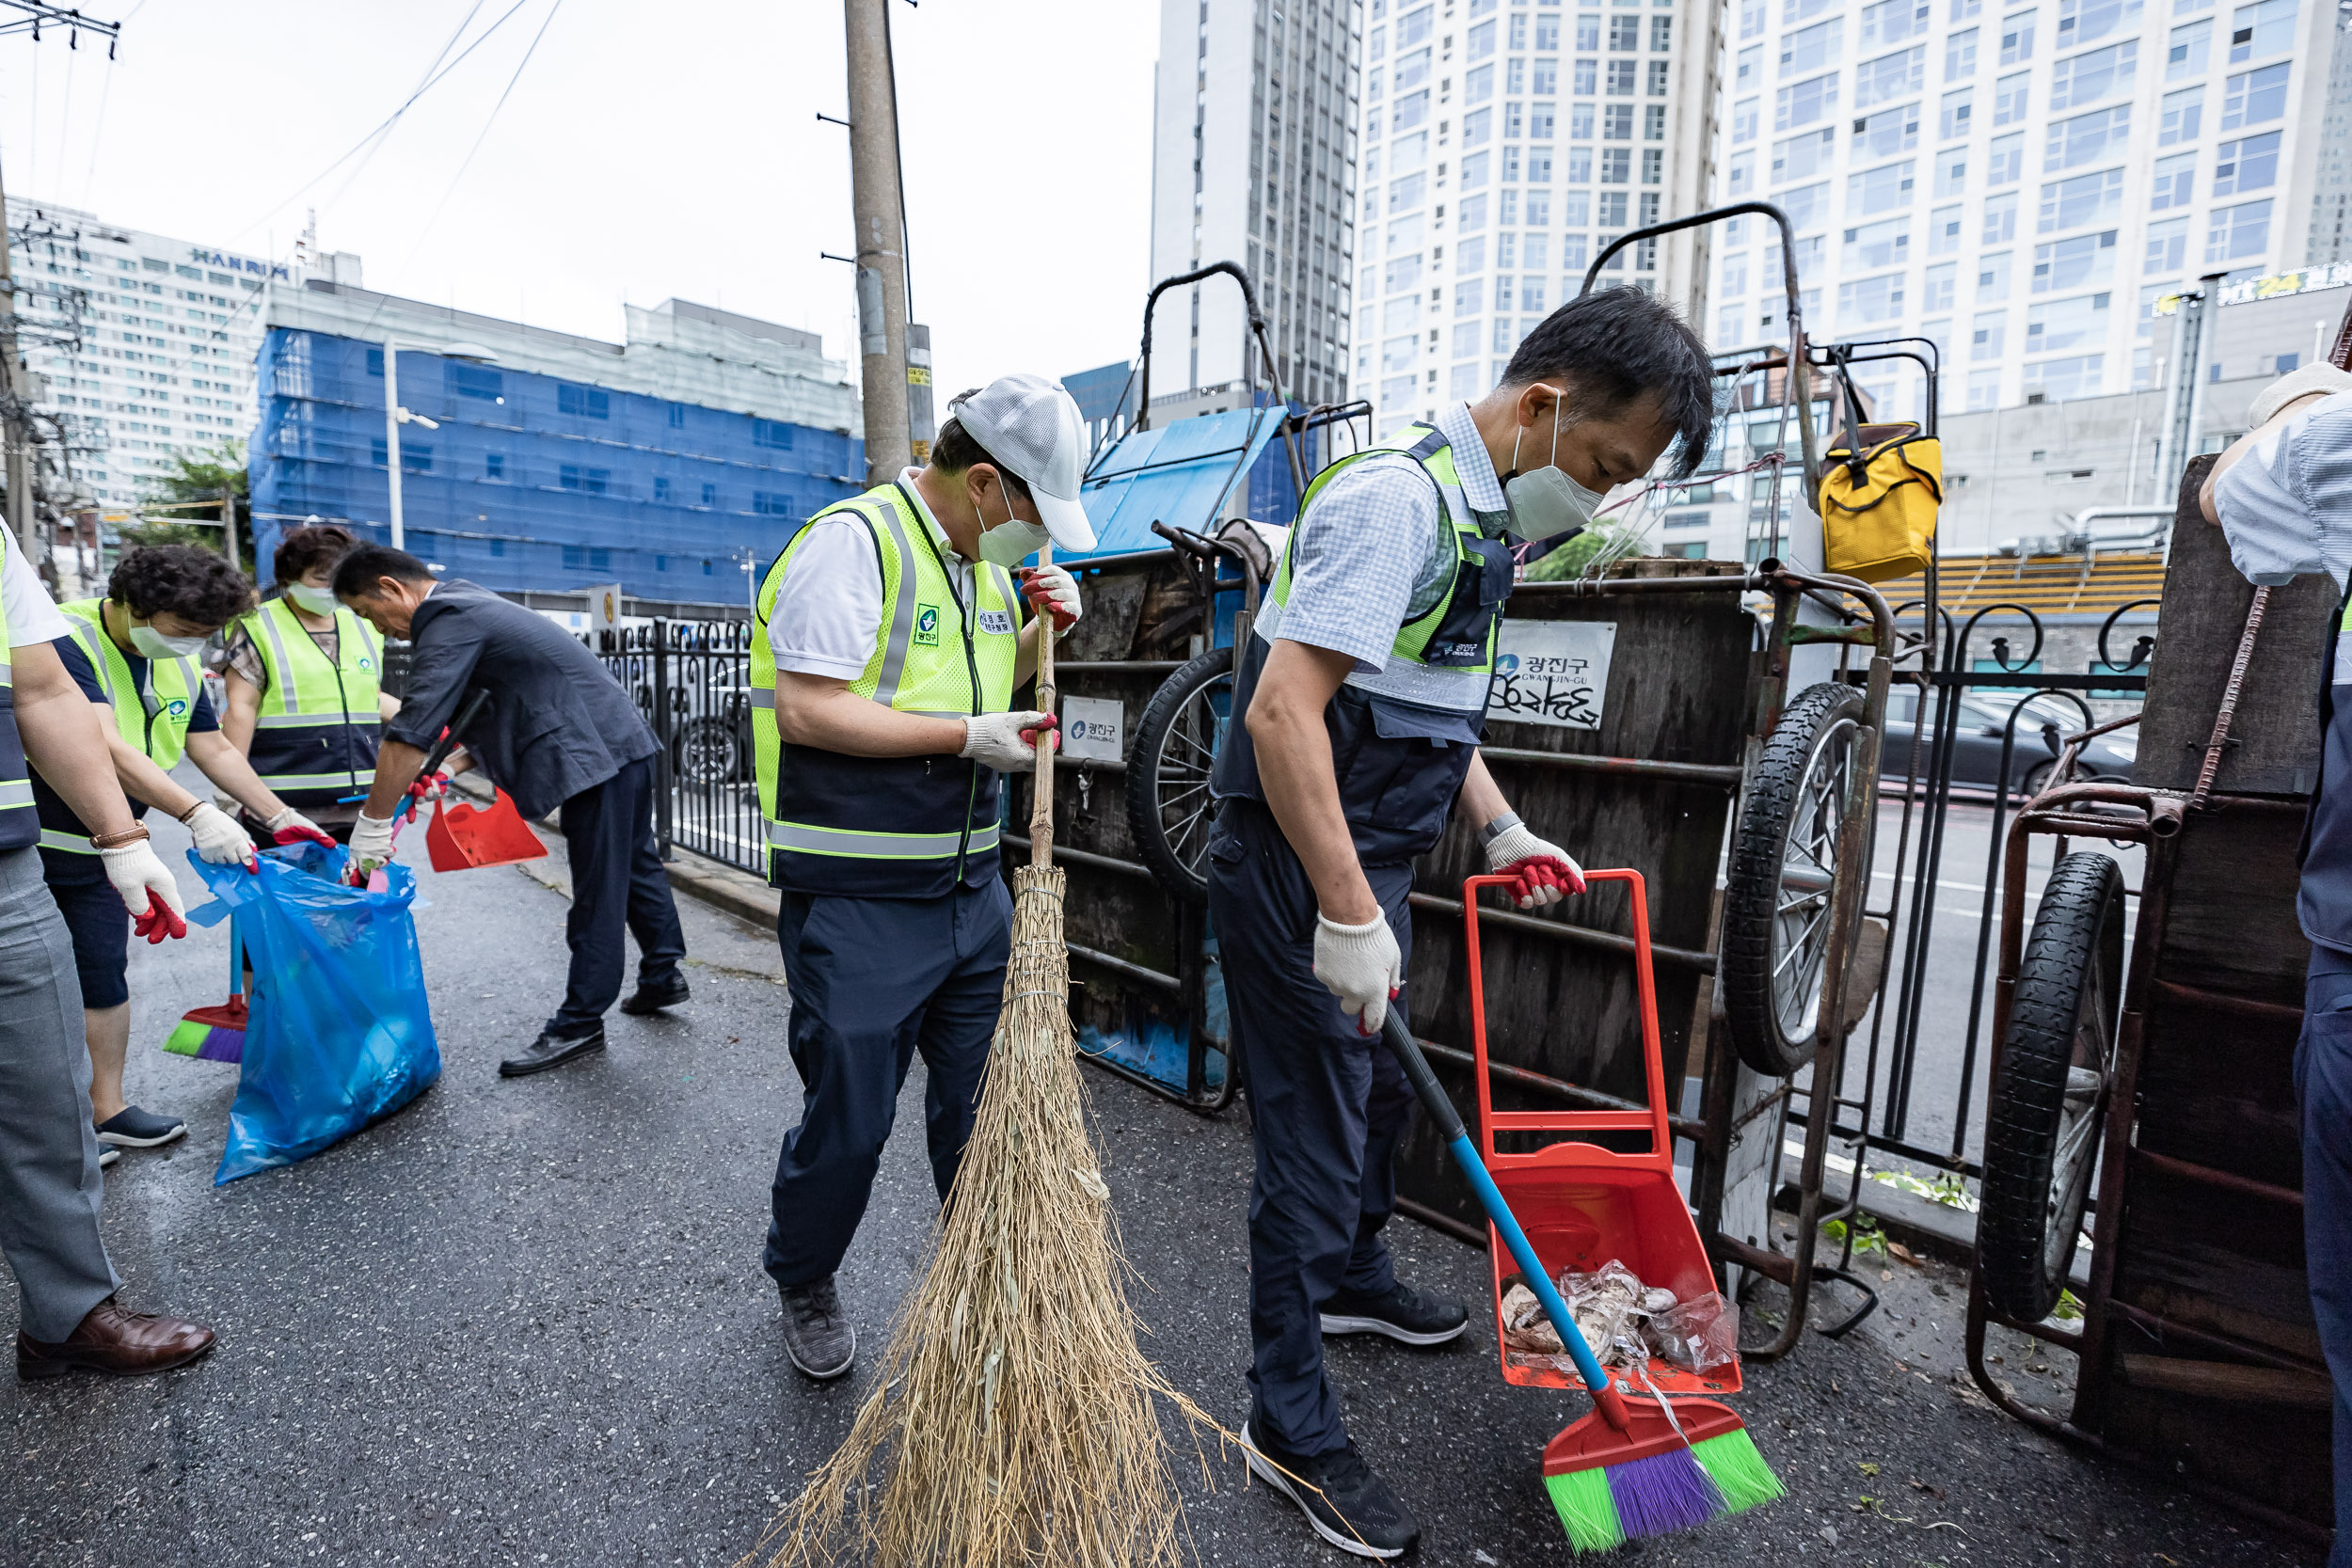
2331 204
1505 144
1253 161
146 343
2019 182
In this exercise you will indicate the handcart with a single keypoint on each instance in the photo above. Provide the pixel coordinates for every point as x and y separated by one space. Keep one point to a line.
2151 1098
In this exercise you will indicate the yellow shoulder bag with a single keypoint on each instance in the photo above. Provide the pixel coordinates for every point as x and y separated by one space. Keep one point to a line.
1881 484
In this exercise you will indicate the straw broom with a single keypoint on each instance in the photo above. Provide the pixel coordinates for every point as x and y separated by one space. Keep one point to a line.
1015 1420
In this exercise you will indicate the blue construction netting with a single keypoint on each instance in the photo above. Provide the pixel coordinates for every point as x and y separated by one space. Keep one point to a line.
533 481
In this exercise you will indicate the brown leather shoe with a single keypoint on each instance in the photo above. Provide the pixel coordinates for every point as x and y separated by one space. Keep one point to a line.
112 1338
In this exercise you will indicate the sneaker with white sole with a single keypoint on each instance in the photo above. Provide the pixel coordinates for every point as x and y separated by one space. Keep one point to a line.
1402 1313
1344 1501
132 1127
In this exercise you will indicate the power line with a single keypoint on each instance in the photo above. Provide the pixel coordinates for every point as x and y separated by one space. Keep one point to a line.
521 67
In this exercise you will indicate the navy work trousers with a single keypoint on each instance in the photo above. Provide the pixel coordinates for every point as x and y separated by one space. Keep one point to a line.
873 981
2323 1085
617 885
1328 1108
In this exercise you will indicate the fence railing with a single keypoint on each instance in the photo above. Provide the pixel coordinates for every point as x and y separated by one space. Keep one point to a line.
692 680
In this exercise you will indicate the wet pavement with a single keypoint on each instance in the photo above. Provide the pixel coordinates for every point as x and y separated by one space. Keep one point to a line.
524 1321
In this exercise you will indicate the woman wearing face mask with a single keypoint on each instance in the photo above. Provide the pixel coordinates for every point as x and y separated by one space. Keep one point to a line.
302 702
890 645
1361 696
134 655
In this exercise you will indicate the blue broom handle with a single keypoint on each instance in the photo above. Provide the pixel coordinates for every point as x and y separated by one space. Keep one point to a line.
1407 1052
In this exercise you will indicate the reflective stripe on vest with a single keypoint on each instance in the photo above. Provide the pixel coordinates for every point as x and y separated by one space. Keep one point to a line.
154 719
18 827
73 843
317 728
895 827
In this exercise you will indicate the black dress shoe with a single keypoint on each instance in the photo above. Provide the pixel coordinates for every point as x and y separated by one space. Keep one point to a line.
550 1050
652 999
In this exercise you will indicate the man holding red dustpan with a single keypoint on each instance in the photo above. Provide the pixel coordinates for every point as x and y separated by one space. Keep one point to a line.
1361 697
558 733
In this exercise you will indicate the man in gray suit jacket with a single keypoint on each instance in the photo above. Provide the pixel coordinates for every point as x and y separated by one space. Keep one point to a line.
559 733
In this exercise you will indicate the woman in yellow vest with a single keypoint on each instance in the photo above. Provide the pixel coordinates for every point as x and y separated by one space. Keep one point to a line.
304 704
134 655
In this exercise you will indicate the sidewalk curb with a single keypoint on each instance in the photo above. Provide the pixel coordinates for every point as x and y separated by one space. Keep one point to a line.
713 883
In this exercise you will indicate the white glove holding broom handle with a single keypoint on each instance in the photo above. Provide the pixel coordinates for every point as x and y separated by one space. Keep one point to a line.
1361 966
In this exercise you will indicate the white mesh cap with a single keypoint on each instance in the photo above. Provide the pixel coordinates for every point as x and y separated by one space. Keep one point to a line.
1032 426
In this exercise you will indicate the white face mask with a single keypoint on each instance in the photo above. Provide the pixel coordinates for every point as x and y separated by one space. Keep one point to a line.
1013 540
318 601
1547 501
154 645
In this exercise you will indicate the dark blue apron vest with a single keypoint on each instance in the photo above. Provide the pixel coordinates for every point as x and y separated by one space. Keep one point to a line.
2324 903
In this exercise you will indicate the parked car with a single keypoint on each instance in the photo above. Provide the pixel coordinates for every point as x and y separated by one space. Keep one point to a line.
2043 729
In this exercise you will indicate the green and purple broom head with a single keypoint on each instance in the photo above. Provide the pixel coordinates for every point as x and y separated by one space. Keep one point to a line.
1633 1468
211 1034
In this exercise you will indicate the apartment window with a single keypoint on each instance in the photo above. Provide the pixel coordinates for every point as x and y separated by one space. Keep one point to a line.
1985 390
1623 75
1886 133
1871 299
1810 48
1576 207
1580 166
1964 10
2009 98
1588 31
2017 39
2000 218
1580 121
1879 190
1893 21
1748 66
773 433
2065 323
1545 77
1991 331
2084 262
1943 226
1960 55
1993 271
661 488
2007 159
775 503
2249 163
1616 164
711 494
1752 14
1874 246
2266 27
1654 122
1474 171
2180 116
2251 97
474 381
1889 77
1657 73
1951 173
1937 294
494 465
1538 173
1952 123
2168 246
1744 122
1662 32
414 458
1624 33
1800 157
1618 125
1734 275
2176 182
2190 43
2088 77
1584 78
1610 211
2058 380
2232 234
2082 21
1515 75
1479 84
2077 141
2085 199
1805 103
1477 126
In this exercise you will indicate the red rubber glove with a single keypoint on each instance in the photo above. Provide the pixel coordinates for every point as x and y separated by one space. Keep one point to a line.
291 827
1545 873
1053 591
1049 726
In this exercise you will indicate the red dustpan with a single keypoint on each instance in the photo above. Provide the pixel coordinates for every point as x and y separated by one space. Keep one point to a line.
462 837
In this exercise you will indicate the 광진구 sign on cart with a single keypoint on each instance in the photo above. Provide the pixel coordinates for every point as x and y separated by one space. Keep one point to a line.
1552 673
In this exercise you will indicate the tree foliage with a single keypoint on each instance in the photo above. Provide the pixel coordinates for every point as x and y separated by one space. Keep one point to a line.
197 477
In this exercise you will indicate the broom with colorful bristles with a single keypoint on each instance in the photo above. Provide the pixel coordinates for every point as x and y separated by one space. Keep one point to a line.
1014 1419
1638 1465
215 1034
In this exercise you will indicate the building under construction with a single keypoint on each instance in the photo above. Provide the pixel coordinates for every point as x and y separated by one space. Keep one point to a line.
670 462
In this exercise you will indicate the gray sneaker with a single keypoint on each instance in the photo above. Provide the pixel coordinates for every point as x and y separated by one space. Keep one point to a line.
815 1334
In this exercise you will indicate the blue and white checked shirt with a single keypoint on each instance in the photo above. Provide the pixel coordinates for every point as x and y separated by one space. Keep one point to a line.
1373 554
2286 505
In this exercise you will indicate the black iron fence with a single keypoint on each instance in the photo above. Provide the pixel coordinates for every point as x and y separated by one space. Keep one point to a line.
692 680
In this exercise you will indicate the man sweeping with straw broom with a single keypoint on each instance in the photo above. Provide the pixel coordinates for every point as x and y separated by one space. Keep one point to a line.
890 646
1012 1421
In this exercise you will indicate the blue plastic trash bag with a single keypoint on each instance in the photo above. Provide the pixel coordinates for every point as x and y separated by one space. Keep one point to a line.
340 1031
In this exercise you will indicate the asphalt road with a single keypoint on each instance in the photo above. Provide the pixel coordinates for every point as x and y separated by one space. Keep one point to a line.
524 1323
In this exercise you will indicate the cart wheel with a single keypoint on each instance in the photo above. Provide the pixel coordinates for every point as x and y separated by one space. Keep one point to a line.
1784 869
1168 809
707 751
2048 1101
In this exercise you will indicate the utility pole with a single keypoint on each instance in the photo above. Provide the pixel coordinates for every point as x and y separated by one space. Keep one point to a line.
229 527
879 206
15 429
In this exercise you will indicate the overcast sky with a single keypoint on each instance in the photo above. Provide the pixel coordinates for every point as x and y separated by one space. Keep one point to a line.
644 151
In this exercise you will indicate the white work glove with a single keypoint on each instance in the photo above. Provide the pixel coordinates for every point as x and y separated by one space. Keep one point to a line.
148 890
371 840
291 827
219 841
1546 874
1053 591
1007 741
1360 965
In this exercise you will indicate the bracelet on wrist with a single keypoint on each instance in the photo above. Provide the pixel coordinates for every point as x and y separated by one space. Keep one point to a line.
131 835
1497 828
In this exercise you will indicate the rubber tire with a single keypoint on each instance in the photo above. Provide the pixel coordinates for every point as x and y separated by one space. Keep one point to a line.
720 751
1753 878
2037 779
2077 937
1143 759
